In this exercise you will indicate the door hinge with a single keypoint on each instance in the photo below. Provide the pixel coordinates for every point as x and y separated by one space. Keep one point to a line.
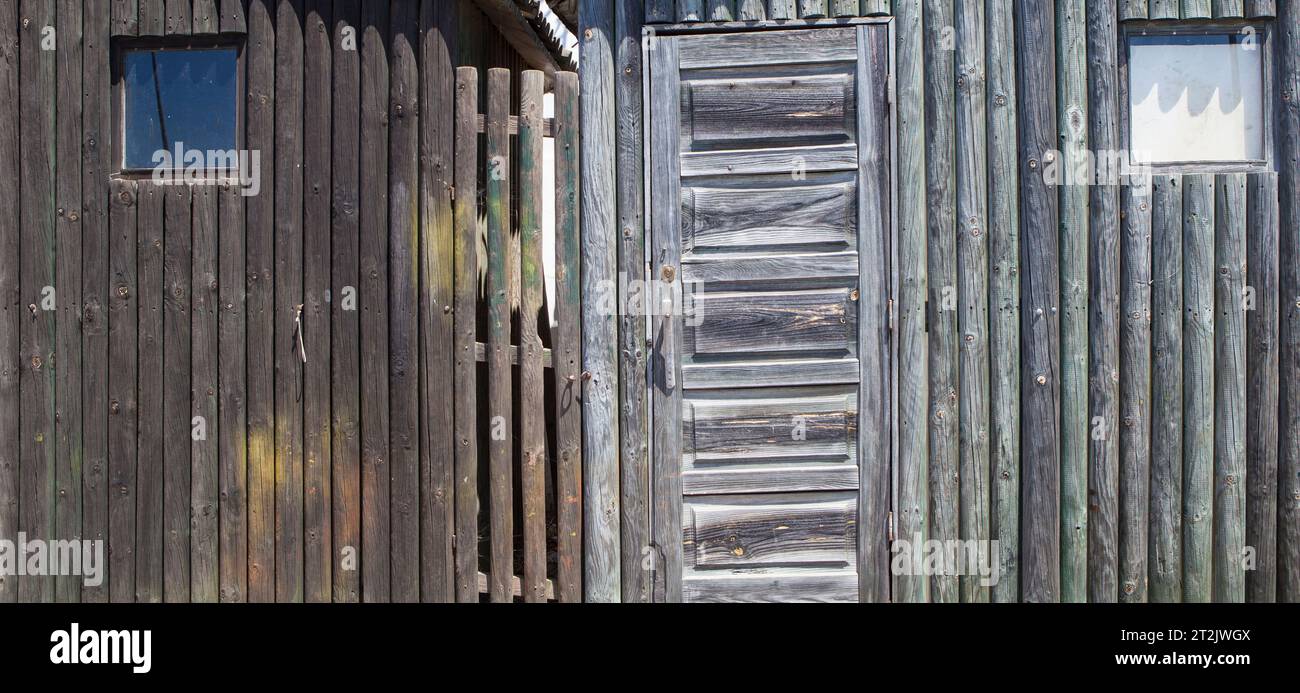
889 522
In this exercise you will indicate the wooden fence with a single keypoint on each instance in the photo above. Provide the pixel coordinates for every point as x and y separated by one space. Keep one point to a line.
517 464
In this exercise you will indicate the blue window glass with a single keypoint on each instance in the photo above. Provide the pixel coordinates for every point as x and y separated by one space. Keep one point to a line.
178 98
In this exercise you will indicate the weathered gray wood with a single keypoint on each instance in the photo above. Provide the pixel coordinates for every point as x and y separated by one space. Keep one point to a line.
1134 9
123 304
373 300
1039 298
736 531
776 9
438 23
12 311
1134 425
232 17
97 128
176 339
1261 8
1228 8
809 9
972 286
259 256
665 194
827 586
687 11
1072 129
634 405
345 335
289 363
1262 384
875 429
1004 297
1163 9
178 17
204 502
599 328
204 17
1165 563
466 297
720 10
232 396
532 468
1229 387
66 358
750 10
912 507
1104 371
1288 465
1196 9
568 343
125 17
875 7
843 8
153 16
738 113
404 300
1198 385
500 297
318 547
659 11
149 395
941 261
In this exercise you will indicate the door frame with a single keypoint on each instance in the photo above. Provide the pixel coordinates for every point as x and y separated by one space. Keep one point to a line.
873 547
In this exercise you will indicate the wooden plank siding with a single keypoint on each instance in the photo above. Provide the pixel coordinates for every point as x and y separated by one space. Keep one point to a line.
196 359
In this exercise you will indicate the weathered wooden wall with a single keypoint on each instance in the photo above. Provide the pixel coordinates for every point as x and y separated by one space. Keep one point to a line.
1054 395
174 302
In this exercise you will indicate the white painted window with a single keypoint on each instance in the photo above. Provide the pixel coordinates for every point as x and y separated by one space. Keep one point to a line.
1196 97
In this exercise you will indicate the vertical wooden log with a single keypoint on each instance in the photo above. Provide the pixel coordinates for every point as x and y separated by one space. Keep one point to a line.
178 17
500 291
204 18
1040 402
259 218
205 425
843 8
153 14
1229 387
345 334
659 11
12 311
875 7
687 11
1133 9
1261 384
1227 9
912 518
149 465
233 20
531 386
96 143
1164 9
1004 295
1288 146
721 10
1072 129
812 9
289 362
1198 385
373 292
567 351
438 24
404 300
177 441
232 395
1165 555
776 9
599 330
972 287
66 360
634 419
1104 375
315 325
1257 9
124 17
1134 429
1196 9
123 302
750 10
466 289
941 263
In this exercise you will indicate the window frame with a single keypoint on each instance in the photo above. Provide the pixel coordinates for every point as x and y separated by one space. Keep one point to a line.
122 45
1264 35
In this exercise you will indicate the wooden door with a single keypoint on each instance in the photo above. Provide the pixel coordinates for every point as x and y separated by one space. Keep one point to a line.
769 249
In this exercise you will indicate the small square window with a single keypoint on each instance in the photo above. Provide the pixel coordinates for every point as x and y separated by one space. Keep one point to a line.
1197 97
177 99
